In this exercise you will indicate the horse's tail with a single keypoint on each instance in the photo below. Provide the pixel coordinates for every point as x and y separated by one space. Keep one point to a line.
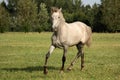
89 41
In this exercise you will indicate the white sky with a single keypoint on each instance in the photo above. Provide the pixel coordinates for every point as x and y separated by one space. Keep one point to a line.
5 1
91 2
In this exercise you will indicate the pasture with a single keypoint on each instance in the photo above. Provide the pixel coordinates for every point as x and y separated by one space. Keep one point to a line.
22 57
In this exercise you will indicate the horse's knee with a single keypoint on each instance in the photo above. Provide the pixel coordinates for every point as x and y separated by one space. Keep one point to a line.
47 55
82 55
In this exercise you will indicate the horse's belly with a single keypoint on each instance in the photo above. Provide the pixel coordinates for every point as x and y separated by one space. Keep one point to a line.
72 42
74 37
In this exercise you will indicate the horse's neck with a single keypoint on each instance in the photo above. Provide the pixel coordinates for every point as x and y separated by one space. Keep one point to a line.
60 29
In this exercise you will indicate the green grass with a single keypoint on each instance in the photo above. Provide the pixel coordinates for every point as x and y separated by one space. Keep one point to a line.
22 57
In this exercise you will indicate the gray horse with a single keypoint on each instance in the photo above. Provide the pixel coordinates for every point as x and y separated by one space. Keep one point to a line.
66 35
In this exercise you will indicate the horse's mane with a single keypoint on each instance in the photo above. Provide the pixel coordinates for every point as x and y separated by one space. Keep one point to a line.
55 9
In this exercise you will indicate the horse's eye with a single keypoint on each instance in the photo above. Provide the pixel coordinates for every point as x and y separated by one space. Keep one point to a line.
58 17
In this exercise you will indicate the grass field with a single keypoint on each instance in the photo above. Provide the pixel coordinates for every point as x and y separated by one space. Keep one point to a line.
22 58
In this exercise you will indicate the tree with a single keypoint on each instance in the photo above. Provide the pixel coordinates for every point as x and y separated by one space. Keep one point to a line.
43 19
111 14
12 9
4 19
26 15
97 24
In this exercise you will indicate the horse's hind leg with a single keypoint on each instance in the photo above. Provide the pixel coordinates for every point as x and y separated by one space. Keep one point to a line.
82 55
74 60
46 59
79 47
82 60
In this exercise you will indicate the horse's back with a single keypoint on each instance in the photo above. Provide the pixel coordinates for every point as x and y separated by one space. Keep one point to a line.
80 31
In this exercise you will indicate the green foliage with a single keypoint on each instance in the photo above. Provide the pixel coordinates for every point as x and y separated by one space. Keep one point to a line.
69 17
26 15
4 19
97 24
43 18
111 15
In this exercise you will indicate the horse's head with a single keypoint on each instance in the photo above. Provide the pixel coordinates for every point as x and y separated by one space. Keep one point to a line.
57 17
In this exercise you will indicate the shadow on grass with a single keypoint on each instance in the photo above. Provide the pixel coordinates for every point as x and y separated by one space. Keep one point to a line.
30 69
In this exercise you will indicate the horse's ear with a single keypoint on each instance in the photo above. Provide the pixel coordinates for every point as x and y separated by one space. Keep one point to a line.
60 9
54 9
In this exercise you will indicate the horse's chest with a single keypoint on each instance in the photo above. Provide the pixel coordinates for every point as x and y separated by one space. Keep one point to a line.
56 41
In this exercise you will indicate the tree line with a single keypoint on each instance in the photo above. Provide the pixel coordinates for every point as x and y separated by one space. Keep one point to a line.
34 15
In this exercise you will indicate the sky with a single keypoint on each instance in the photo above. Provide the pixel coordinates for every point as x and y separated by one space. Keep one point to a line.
5 1
85 2
90 2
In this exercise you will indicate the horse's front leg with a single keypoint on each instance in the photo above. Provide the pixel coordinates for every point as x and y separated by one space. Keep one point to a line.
46 58
64 58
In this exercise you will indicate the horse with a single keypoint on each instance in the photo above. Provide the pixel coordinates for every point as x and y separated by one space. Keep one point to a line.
66 35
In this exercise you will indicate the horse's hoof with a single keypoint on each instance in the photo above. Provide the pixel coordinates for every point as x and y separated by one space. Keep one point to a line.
82 68
69 69
45 70
61 71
